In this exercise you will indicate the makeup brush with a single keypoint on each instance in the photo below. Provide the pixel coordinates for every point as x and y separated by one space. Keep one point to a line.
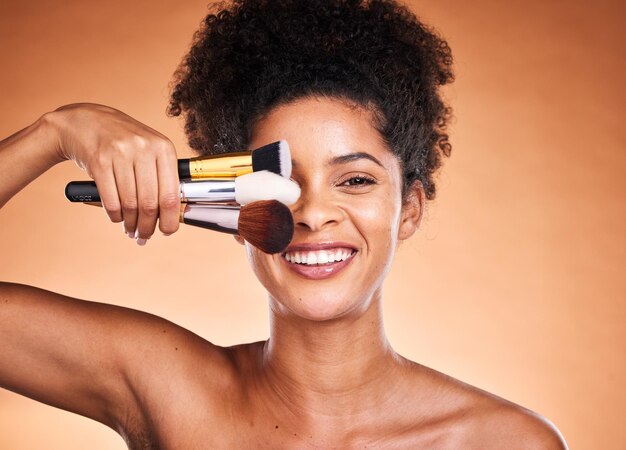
274 157
254 186
266 224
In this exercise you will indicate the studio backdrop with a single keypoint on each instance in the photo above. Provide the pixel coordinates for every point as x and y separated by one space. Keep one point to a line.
514 283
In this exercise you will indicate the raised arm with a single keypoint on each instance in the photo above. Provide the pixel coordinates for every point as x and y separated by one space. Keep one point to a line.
134 166
66 352
25 155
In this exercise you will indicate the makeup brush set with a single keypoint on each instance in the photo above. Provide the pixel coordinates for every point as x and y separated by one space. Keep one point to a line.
244 193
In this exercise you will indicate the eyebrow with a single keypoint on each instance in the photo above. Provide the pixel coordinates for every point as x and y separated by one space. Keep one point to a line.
343 159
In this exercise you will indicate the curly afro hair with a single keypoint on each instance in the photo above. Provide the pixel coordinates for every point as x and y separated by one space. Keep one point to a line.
253 55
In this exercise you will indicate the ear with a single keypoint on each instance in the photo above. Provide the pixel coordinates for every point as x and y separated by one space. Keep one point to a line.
239 239
412 210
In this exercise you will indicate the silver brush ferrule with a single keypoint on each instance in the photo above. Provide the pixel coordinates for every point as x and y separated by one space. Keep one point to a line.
221 218
208 191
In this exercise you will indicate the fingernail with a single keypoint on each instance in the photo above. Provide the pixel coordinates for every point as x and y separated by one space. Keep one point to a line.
130 234
141 241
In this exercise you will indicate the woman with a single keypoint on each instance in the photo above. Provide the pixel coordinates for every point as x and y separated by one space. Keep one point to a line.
353 87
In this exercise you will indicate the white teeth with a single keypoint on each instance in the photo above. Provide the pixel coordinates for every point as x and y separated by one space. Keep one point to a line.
318 257
311 258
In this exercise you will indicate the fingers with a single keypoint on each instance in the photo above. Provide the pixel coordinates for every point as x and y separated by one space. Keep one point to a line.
141 188
169 197
157 193
105 182
134 166
147 198
125 179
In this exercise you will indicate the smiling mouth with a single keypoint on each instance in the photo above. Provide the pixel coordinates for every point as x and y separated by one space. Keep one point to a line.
319 257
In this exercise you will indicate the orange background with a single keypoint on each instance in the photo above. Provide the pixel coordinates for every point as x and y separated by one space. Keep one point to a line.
513 283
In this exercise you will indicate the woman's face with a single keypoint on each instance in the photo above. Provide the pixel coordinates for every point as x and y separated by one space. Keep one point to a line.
350 214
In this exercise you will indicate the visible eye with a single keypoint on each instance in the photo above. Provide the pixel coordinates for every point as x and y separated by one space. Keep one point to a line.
358 181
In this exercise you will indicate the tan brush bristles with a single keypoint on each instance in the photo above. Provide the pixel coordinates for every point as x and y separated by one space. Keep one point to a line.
266 224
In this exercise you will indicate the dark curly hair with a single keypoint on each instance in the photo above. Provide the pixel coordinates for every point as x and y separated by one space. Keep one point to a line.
253 55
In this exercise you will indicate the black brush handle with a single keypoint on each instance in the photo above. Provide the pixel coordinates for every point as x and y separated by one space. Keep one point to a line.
82 191
86 191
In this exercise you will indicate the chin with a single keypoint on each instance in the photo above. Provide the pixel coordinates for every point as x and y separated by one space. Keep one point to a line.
319 307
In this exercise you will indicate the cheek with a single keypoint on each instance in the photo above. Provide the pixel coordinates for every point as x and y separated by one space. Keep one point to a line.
254 259
377 220
260 263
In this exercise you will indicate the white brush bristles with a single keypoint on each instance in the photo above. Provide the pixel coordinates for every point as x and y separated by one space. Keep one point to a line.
265 185
285 158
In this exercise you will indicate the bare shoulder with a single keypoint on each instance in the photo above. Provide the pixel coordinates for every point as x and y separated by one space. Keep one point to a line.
476 419
151 338
160 354
173 374
499 423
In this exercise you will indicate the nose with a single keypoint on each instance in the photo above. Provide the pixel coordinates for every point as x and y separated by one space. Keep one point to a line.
314 211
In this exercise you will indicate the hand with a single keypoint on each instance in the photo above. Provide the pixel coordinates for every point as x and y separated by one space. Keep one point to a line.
134 166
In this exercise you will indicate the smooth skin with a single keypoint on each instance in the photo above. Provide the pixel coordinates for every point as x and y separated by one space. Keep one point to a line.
326 378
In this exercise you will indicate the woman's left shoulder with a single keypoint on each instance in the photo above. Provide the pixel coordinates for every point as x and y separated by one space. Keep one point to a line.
498 423
478 419
508 425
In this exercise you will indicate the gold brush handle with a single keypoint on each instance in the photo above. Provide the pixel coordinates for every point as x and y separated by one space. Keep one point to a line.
236 164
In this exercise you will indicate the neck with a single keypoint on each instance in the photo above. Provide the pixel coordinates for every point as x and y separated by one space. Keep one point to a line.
323 369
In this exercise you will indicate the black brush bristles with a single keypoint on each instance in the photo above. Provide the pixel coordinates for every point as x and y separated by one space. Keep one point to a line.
266 224
274 157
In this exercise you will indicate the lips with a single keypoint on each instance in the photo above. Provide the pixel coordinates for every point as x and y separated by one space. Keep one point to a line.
318 261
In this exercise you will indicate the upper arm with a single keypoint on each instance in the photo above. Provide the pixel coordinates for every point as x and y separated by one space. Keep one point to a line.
89 358
62 351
